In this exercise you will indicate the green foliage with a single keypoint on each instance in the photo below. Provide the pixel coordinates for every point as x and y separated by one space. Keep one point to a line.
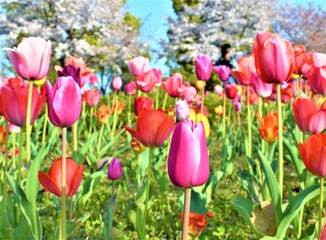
132 21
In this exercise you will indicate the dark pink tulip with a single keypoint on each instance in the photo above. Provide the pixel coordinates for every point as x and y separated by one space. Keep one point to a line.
203 65
115 169
92 97
173 84
274 58
309 117
131 88
93 79
317 74
85 72
70 70
146 81
117 83
138 65
244 71
64 102
300 57
223 72
31 59
13 102
188 163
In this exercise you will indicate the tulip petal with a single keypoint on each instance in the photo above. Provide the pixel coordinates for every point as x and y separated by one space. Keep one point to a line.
164 131
76 180
19 62
184 156
48 183
317 122
135 134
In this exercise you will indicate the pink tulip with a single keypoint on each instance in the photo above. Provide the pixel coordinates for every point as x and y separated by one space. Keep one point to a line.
203 65
317 74
223 72
146 81
188 93
130 88
64 102
218 90
31 59
117 83
13 101
188 163
309 117
93 79
300 57
138 65
115 169
173 84
261 88
274 58
13 128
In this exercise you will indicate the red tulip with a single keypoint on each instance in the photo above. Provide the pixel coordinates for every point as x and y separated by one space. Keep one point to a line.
231 90
244 71
188 163
274 58
92 97
31 59
52 180
13 100
146 81
142 102
309 117
203 65
153 127
173 85
313 154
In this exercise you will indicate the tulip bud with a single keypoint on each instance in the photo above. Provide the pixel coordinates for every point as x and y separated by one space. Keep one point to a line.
115 169
203 65
117 83
182 110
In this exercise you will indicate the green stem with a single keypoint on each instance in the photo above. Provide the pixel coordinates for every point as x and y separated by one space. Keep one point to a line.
99 139
114 125
260 111
148 186
202 100
280 138
74 136
71 204
164 101
20 157
45 124
28 121
91 121
129 110
249 121
321 200
156 97
63 185
14 151
224 115
186 211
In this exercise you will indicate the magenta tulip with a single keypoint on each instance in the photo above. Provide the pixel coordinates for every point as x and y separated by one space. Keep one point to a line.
31 59
13 101
203 65
188 163
131 88
64 102
223 72
274 58
138 65
117 83
115 169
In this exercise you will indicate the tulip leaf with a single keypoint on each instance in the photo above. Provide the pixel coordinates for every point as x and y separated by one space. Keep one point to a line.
210 186
90 185
273 186
108 232
298 164
245 208
198 202
294 207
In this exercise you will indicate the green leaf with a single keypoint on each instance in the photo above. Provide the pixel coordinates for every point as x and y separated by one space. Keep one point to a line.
273 186
90 185
198 202
108 232
294 207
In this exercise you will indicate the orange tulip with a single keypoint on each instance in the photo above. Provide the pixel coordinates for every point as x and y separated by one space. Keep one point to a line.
3 135
103 114
197 222
153 127
120 106
268 129
52 180
313 154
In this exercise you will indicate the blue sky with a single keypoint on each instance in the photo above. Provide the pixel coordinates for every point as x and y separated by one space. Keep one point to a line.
154 12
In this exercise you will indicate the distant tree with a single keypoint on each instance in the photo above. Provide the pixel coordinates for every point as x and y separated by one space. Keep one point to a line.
97 30
202 26
302 25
